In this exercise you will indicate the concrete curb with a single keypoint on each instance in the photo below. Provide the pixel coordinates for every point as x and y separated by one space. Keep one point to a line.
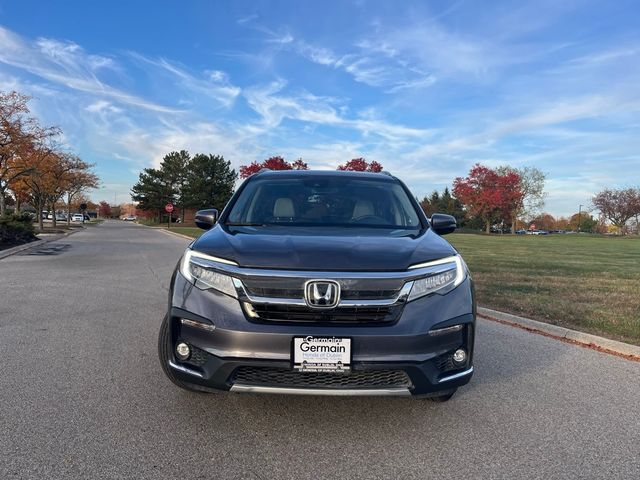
28 246
167 231
561 333
174 233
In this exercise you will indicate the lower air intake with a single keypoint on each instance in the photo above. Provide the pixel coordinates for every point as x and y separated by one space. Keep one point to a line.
285 378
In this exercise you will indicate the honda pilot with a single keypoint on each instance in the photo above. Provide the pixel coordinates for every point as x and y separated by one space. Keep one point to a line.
324 283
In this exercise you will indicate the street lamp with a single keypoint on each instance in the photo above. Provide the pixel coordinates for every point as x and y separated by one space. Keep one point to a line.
579 217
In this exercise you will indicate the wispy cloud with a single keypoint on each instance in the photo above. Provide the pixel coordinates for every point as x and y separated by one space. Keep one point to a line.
66 64
215 84
376 65
274 106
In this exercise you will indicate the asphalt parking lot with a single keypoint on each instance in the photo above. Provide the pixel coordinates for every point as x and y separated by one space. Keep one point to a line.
82 394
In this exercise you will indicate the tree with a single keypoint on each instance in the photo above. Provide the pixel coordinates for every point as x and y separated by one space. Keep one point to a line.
210 182
20 191
272 163
17 132
174 169
104 209
489 195
445 203
544 221
361 165
618 206
153 191
60 172
583 222
431 204
532 189
81 178
44 170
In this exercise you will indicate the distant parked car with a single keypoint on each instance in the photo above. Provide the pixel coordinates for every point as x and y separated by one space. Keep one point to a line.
537 232
77 217
521 232
130 218
61 217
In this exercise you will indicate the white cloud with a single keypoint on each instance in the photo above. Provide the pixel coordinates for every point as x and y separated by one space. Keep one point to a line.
274 107
216 85
65 64
372 64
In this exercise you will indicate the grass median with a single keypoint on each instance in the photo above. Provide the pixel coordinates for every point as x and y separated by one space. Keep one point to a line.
193 232
589 283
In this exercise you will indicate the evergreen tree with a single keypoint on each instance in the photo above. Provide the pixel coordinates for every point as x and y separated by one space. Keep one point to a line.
210 182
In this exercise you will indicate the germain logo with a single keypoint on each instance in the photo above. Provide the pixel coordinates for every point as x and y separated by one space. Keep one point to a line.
322 293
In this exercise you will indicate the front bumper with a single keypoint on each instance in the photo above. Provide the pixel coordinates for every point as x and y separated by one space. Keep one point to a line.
421 383
236 344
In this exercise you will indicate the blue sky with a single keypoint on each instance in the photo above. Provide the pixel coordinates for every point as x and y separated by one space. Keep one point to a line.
426 88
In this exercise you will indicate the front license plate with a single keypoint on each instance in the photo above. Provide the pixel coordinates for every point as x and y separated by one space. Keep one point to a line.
321 354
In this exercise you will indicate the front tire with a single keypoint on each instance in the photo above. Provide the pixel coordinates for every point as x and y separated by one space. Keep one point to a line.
444 397
165 354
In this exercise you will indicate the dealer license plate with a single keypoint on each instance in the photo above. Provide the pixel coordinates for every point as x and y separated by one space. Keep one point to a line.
321 354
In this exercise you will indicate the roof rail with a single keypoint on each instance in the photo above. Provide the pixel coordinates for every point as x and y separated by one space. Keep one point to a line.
262 170
384 172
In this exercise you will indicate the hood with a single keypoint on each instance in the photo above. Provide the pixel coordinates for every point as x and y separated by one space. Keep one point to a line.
305 249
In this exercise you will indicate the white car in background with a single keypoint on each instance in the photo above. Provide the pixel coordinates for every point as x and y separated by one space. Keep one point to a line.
77 217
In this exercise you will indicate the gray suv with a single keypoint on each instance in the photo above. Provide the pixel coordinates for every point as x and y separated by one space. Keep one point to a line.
316 282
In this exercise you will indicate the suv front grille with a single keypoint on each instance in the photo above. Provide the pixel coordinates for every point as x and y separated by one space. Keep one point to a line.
344 315
272 292
282 377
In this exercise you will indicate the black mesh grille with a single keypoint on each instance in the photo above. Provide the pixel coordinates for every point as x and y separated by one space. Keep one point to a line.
444 363
282 377
198 357
345 315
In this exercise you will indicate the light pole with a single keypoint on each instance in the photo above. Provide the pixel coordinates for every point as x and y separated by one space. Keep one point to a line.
579 217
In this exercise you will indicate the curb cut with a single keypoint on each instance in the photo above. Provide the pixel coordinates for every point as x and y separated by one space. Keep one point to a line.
28 246
606 345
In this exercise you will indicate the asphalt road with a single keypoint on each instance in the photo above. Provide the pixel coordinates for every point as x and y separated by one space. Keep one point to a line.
82 394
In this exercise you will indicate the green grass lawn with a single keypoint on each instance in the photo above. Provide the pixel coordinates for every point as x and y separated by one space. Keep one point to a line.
589 283
194 232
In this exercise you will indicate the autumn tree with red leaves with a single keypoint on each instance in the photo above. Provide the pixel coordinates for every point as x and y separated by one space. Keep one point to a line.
489 195
104 209
272 163
361 165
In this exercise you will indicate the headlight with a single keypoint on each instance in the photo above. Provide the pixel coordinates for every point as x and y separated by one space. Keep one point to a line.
198 268
447 274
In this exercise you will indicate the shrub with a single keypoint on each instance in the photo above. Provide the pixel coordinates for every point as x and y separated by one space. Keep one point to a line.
16 229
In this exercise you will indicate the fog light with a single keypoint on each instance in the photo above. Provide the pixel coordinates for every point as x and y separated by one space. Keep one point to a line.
459 356
182 351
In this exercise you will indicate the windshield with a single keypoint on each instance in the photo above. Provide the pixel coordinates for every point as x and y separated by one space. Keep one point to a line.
317 201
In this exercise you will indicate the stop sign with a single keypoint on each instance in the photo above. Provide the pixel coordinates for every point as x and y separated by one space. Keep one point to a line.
168 207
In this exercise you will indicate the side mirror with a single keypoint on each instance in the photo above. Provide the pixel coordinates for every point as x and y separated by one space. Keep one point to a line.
443 224
205 219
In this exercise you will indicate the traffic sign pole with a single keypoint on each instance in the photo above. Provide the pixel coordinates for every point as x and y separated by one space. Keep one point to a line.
169 208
